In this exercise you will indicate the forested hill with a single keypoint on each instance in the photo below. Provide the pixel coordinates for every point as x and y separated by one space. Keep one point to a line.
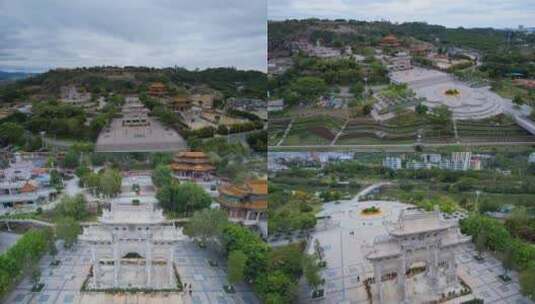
361 33
130 80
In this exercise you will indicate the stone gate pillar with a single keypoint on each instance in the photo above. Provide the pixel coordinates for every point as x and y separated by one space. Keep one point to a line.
148 261
378 273
170 268
95 262
116 261
402 277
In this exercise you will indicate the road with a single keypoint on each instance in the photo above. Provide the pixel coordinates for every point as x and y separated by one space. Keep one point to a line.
368 190
392 147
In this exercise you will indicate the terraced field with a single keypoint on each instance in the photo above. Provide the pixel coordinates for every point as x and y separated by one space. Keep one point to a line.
276 130
368 131
496 129
408 128
314 130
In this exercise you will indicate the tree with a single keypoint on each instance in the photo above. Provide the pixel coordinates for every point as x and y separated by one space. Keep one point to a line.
357 89
110 182
92 182
71 160
183 198
162 176
518 100
67 229
421 109
11 133
55 180
311 271
237 261
206 223
441 115
480 242
72 206
258 141
306 89
527 281
35 274
507 260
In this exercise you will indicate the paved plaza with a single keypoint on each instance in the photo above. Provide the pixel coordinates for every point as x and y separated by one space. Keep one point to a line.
63 282
7 239
152 138
347 237
469 103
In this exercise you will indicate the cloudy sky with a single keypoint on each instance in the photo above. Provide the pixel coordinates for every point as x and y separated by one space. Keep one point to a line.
36 35
451 13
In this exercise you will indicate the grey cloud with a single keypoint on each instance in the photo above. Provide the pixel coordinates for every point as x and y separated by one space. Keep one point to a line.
200 33
451 13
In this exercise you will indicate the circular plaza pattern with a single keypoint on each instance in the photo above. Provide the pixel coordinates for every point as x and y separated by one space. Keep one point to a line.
468 103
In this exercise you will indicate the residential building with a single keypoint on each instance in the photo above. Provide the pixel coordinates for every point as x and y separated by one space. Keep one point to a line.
23 184
391 162
275 105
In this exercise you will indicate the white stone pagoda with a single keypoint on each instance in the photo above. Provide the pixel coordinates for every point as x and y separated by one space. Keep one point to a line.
418 239
132 246
135 114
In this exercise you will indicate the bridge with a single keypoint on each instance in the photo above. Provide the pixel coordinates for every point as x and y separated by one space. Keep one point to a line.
525 123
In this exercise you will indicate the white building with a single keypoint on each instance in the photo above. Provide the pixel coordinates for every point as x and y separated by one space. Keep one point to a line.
399 62
531 158
417 238
391 162
275 105
132 246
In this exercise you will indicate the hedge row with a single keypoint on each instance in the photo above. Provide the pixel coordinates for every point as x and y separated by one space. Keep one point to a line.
22 256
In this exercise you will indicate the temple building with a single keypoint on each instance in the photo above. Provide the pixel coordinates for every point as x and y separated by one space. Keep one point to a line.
204 101
389 41
157 89
401 61
246 203
418 242
136 131
180 103
134 113
132 247
192 166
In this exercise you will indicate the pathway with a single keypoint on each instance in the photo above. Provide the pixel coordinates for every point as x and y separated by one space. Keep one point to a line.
339 133
455 129
286 132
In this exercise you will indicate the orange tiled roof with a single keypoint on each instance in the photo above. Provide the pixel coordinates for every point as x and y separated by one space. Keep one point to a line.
390 40
182 99
191 154
38 171
195 167
157 85
260 204
28 187
258 187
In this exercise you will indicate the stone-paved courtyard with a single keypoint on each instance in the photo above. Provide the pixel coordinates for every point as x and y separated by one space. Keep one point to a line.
346 237
63 282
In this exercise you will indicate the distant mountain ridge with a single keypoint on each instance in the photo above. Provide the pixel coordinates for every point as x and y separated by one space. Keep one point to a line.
14 75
